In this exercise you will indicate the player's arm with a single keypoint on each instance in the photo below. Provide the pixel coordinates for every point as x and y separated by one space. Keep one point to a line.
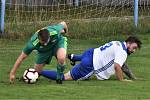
65 29
118 70
119 73
120 58
128 72
18 62
26 51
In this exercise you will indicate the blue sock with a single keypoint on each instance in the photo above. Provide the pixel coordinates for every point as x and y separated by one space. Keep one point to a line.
50 74
77 57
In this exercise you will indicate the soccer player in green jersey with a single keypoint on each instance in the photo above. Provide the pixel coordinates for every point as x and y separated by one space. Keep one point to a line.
48 42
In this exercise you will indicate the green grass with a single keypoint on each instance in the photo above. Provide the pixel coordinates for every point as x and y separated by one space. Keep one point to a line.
74 90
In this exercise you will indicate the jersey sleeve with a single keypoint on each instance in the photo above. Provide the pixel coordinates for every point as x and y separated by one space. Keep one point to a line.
28 48
120 56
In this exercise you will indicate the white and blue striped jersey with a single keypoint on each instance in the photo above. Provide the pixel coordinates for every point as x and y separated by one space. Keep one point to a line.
105 56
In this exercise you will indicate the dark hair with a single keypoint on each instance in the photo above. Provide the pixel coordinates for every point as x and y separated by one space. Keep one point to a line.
43 34
133 39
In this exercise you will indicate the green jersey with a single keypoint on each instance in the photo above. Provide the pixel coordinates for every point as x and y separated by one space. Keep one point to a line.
34 43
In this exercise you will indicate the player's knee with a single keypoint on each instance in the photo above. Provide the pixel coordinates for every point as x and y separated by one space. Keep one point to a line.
38 67
61 60
67 76
61 55
38 70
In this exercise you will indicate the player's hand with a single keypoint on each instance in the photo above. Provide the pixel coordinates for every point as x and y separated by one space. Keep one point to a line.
11 77
126 80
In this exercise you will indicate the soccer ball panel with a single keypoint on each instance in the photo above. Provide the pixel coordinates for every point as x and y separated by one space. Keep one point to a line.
30 75
31 69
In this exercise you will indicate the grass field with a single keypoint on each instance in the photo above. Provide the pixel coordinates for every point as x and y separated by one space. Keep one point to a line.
74 90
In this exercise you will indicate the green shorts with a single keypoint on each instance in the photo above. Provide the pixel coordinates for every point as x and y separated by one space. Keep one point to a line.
45 58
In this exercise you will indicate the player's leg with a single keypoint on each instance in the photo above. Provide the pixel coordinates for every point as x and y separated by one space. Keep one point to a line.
67 76
42 59
73 58
51 74
84 69
80 71
60 53
56 75
39 67
61 56
76 57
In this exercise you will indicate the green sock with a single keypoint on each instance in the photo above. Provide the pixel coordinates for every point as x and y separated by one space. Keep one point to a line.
60 70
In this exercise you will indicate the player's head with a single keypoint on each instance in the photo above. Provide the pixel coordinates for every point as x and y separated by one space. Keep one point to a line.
133 43
44 36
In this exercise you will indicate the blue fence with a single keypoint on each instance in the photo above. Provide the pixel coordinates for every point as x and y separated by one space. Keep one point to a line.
136 12
2 16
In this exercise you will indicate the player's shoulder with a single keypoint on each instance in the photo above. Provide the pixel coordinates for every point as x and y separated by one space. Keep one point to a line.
120 46
116 43
34 40
58 25
55 27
